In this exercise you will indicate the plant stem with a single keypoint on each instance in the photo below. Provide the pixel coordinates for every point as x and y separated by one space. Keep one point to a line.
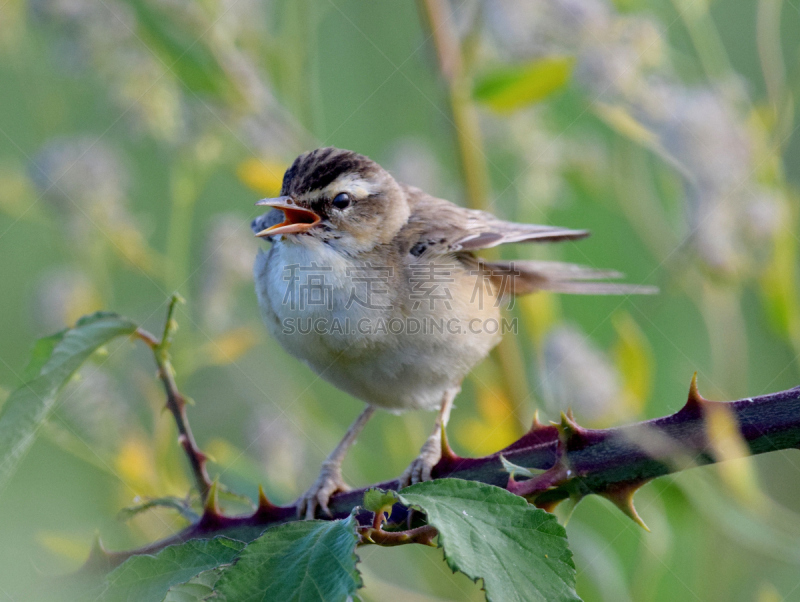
176 402
577 462
183 196
705 38
466 128
422 535
466 125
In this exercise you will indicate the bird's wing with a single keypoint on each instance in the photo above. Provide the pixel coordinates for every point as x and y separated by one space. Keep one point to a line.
437 227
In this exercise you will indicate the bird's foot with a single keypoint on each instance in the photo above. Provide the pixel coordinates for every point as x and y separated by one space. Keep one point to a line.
319 494
420 469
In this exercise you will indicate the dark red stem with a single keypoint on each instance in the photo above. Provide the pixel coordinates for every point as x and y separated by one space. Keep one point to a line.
577 461
176 404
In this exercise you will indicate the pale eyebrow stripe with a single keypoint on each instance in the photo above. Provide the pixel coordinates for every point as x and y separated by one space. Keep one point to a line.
351 183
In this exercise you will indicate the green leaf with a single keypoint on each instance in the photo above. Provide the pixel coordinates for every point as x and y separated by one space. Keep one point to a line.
41 352
55 359
378 500
512 87
198 588
487 533
304 561
182 51
148 578
513 469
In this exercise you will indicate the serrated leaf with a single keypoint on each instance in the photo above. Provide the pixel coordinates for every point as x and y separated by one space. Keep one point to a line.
148 577
198 588
54 361
305 561
510 88
519 551
378 500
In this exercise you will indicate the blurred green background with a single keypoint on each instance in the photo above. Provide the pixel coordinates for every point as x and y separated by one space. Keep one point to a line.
135 136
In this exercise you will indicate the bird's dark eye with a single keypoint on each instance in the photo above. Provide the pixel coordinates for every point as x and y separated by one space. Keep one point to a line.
341 201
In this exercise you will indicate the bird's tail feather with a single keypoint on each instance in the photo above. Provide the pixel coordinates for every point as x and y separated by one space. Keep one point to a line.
523 277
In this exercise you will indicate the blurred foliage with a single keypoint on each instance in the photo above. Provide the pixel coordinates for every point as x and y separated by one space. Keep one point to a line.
136 136
510 88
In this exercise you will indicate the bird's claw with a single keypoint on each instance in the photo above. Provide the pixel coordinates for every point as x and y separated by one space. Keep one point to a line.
319 494
420 468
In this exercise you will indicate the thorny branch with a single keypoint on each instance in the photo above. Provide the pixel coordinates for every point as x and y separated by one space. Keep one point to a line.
176 403
559 461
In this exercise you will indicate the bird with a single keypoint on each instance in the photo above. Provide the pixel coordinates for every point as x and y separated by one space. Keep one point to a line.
377 286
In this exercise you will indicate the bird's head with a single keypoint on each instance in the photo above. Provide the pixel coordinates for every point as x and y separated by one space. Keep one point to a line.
340 197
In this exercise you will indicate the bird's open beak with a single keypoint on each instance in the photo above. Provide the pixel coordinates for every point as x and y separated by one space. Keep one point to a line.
295 219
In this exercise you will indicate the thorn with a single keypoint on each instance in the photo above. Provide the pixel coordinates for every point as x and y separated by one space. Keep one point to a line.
267 511
211 507
694 393
99 558
538 434
263 501
571 436
366 536
98 549
537 424
571 433
622 497
569 424
695 401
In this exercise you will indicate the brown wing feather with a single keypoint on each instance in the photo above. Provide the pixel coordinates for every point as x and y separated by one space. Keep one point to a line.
439 227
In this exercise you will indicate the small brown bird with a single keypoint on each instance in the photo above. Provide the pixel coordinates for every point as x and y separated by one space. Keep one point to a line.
375 285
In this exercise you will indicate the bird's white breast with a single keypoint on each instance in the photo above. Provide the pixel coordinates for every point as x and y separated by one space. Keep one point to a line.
305 290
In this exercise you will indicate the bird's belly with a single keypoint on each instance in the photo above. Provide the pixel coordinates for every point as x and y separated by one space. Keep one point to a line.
396 373
371 347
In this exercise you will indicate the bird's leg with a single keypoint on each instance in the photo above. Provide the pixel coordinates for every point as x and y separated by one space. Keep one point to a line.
330 479
431 451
